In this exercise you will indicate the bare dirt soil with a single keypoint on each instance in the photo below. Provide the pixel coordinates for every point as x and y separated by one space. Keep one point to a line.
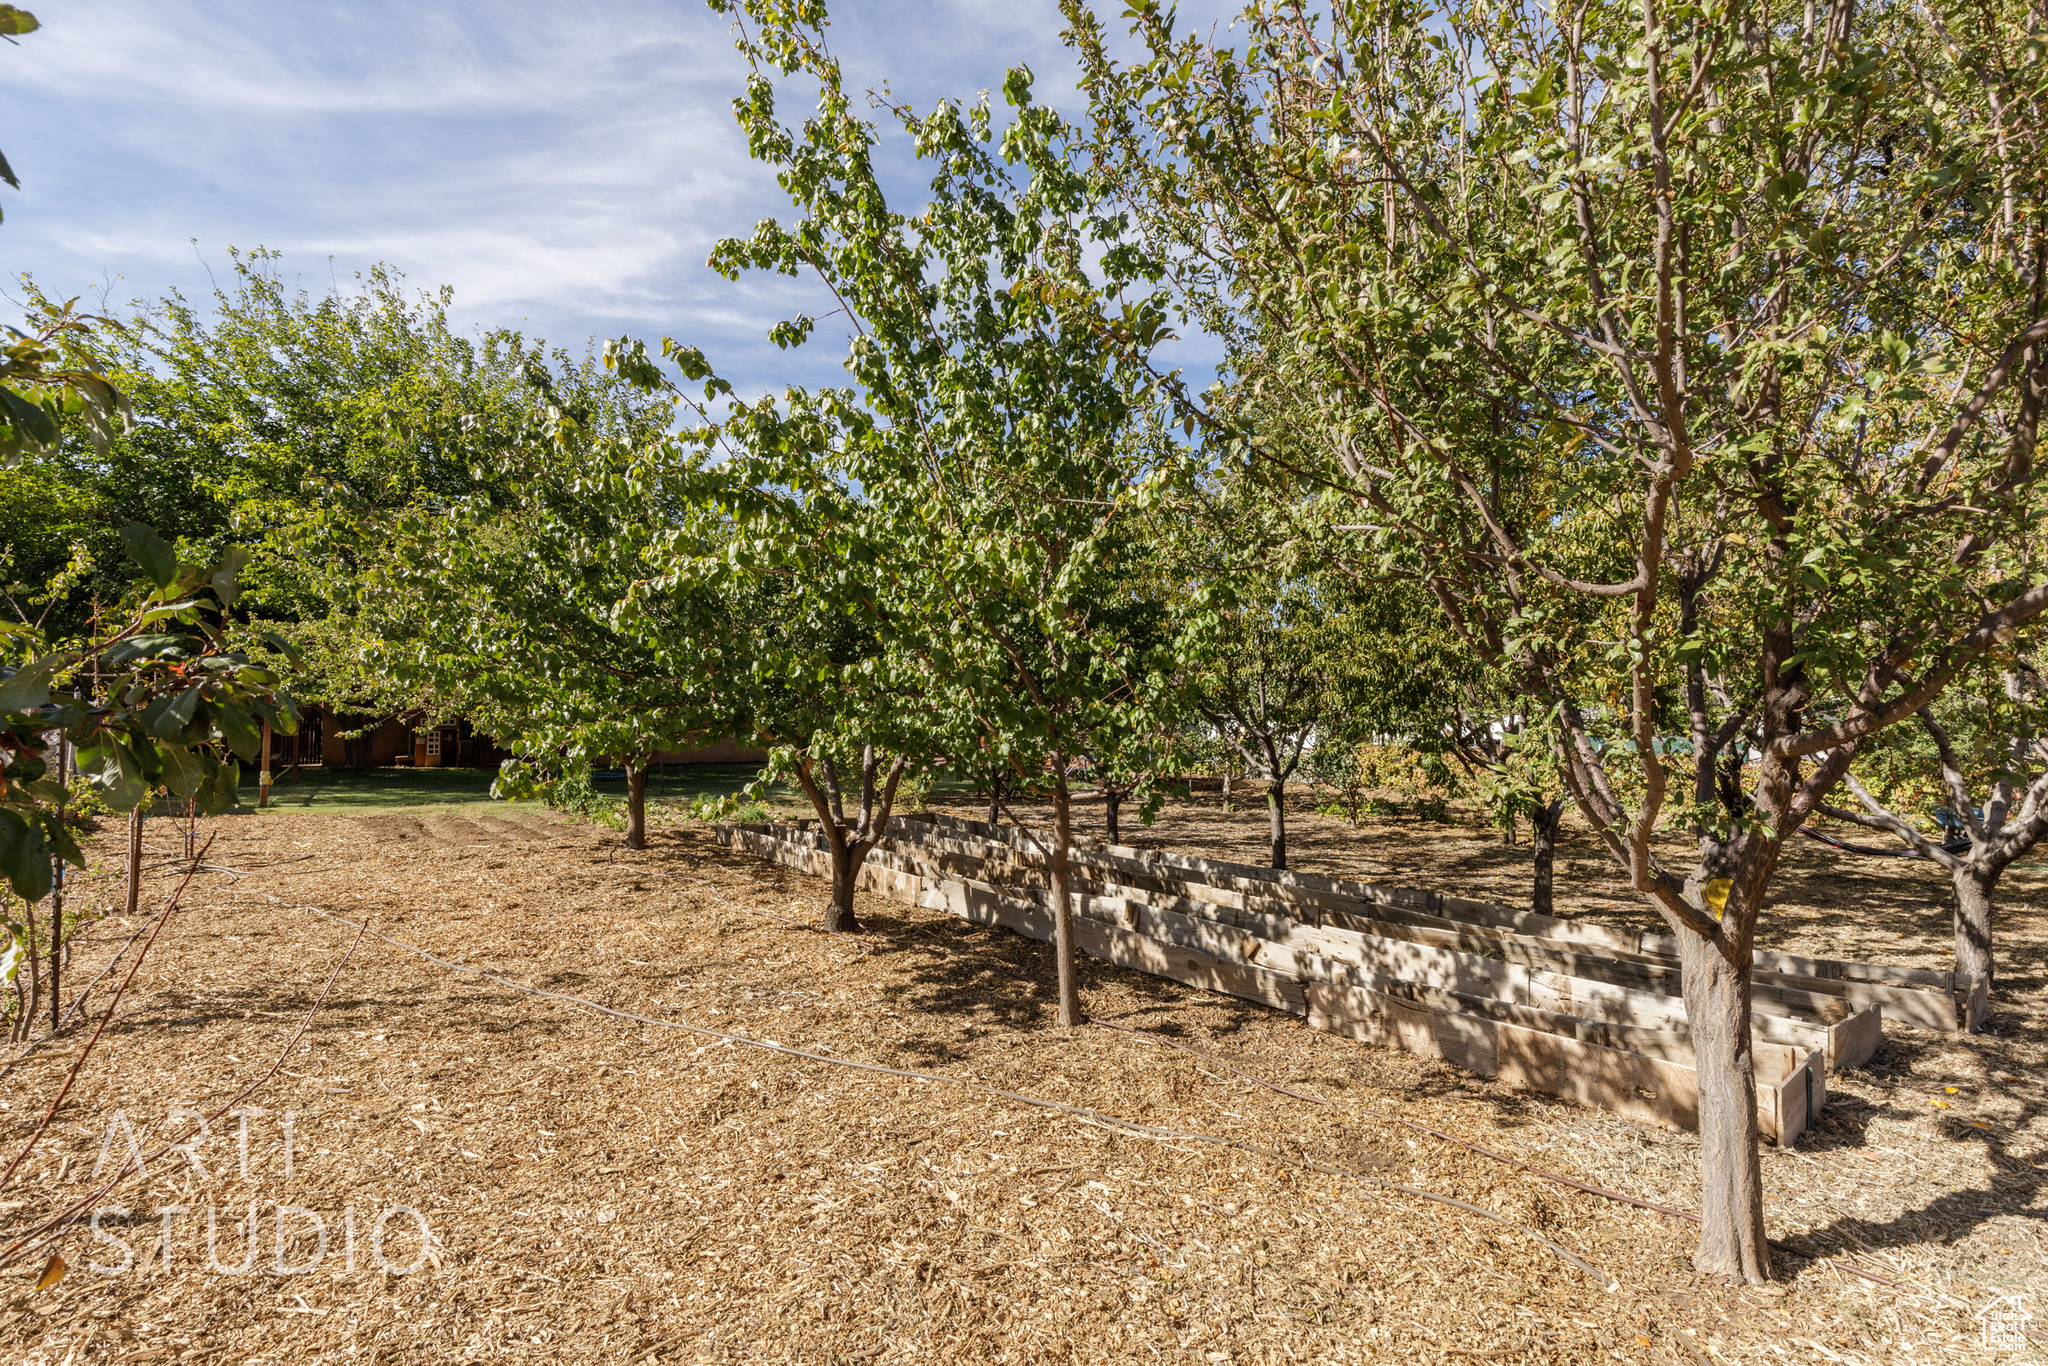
602 1190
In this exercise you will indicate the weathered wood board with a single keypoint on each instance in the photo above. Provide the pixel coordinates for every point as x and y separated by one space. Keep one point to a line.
1508 967
1909 996
1845 1036
1920 997
1480 1013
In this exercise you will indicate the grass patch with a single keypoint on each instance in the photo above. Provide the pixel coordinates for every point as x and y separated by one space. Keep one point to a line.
378 789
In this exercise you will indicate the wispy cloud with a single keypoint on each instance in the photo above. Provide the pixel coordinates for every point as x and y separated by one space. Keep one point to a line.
565 168
471 58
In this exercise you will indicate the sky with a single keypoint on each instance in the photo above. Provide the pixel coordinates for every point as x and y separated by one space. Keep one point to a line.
565 168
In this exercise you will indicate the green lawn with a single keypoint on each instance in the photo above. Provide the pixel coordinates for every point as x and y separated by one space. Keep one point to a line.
362 789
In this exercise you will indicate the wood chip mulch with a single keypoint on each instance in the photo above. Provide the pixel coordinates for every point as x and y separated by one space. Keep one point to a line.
599 1190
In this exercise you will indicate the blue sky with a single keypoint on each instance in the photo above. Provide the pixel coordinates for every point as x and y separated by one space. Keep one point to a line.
564 168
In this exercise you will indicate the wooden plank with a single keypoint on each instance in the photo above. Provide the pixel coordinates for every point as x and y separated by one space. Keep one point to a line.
1791 1085
1853 1042
1907 1005
1126 948
1432 1019
897 884
1633 1001
1273 940
1468 1041
1539 926
1666 945
1310 888
1276 884
1657 1090
1372 1017
985 905
1584 1072
1788 993
1672 1044
1674 1091
1661 1091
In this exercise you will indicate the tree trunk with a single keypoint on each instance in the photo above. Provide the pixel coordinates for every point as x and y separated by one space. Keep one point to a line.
57 950
1276 822
35 973
1113 801
263 772
1732 1239
1543 823
839 916
57 901
1973 924
135 856
1226 787
1063 907
995 798
636 803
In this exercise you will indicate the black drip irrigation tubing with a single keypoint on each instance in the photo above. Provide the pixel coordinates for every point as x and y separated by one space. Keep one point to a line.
1872 851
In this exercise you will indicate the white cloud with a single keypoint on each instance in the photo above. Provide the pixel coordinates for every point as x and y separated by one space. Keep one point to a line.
366 58
565 168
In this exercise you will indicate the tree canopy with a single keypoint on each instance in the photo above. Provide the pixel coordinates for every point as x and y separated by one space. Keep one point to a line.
1633 408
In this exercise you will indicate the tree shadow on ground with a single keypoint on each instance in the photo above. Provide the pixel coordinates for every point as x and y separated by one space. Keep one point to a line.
1948 1218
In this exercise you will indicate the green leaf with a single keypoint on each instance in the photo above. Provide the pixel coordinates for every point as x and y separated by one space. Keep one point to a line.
29 686
128 781
168 716
171 609
135 647
151 551
31 421
30 872
184 771
237 729
13 830
231 562
64 846
285 648
1017 86
15 22
218 796
282 716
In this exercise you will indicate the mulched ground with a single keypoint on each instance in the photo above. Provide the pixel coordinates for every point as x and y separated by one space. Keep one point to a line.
600 1190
